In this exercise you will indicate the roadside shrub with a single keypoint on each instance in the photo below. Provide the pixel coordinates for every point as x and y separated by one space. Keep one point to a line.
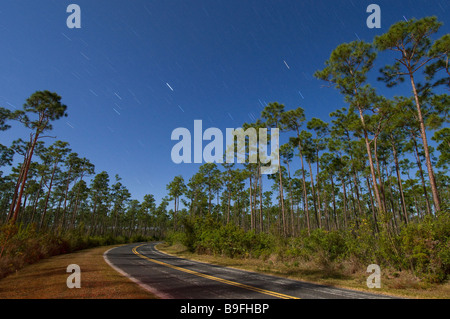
206 236
331 244
361 242
177 237
422 247
426 247
323 246
20 246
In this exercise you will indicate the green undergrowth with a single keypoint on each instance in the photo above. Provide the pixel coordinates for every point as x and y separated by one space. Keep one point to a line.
420 248
21 246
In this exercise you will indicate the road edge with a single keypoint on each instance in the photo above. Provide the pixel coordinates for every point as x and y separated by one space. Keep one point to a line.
144 286
380 295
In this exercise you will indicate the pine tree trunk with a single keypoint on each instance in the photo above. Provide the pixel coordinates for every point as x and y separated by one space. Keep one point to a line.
16 191
355 182
292 201
380 176
334 203
251 203
281 196
66 191
24 178
356 192
305 195
48 196
318 184
434 190
260 200
345 203
419 166
369 155
317 214
374 216
399 181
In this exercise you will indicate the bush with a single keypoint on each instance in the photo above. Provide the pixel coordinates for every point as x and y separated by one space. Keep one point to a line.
20 246
207 236
423 247
426 247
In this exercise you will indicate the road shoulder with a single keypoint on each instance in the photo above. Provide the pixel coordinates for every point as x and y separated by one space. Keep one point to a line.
47 279
355 282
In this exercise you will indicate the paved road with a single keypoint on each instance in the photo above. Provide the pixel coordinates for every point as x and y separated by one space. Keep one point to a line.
171 277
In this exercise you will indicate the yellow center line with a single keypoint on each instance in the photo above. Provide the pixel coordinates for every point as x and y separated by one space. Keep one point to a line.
225 281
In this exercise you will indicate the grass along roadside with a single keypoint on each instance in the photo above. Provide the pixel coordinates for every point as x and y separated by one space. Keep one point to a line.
47 279
401 284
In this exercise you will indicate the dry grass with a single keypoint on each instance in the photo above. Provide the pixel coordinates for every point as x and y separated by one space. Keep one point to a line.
47 279
344 275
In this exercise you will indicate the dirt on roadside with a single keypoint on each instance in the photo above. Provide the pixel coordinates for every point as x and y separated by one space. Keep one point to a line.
47 279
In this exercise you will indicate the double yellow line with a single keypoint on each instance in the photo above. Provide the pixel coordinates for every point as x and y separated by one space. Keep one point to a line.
225 281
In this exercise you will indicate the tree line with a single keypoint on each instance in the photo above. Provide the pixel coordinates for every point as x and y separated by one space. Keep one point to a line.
50 188
371 162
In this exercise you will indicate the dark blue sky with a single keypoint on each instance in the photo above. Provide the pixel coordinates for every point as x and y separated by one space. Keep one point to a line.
223 60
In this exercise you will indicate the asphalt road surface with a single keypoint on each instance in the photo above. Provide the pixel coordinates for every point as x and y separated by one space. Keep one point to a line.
171 277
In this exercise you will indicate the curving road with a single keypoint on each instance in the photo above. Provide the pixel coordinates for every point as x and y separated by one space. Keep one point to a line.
171 277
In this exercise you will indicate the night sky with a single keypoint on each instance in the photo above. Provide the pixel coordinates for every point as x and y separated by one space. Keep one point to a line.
137 70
